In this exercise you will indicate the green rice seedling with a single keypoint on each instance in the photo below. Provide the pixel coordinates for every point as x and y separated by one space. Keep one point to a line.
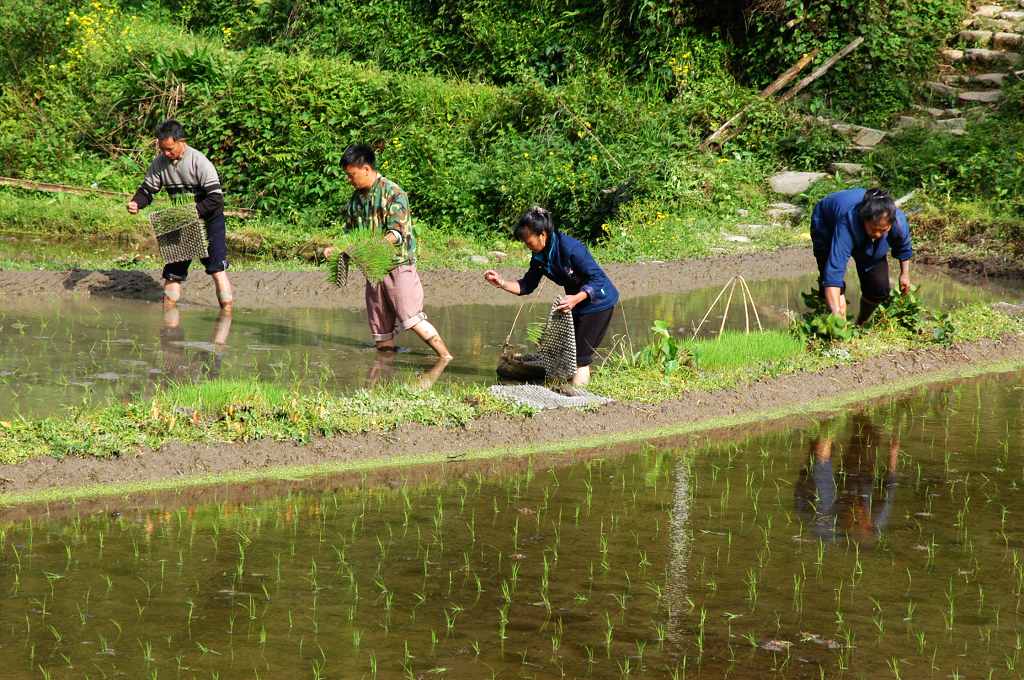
733 350
366 250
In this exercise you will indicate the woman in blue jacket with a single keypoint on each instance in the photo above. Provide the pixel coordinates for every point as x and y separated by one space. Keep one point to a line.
589 294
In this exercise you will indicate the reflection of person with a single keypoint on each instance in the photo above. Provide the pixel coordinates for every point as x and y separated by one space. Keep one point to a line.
852 506
396 303
181 170
864 225
383 369
179 365
590 294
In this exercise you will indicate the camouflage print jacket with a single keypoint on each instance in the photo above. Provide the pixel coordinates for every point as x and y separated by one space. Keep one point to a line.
385 207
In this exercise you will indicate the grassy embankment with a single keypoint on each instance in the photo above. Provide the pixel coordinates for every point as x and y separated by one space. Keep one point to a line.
595 113
225 411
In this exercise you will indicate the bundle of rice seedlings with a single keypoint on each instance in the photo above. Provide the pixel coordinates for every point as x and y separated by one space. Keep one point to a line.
180 232
367 251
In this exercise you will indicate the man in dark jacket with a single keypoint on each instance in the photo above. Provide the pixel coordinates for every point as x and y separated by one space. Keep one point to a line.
865 225
185 172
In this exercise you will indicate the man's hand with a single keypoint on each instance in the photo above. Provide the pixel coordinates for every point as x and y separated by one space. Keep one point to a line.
133 208
492 277
904 283
570 301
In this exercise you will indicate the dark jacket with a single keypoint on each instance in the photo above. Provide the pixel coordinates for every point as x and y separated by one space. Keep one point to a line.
568 263
837 234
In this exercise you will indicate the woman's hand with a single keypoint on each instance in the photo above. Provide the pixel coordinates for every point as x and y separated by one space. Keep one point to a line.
492 277
570 301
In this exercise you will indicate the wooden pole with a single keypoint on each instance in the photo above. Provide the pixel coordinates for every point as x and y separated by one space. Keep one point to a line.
51 188
777 85
823 69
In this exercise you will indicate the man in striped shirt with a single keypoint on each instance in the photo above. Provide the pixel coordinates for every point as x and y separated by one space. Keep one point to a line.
184 171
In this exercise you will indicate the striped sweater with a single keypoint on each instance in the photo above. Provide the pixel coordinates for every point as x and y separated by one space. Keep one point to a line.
193 174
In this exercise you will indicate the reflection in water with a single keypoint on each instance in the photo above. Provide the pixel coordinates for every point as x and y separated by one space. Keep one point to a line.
859 503
680 539
98 351
186 362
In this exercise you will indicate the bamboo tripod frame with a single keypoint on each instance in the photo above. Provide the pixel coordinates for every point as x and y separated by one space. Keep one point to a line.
748 299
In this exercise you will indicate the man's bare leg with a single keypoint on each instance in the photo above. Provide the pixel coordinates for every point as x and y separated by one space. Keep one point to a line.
582 376
225 294
429 335
172 293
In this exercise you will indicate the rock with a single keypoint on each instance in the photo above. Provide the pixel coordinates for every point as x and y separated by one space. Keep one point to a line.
988 11
981 38
1008 40
478 259
848 169
742 212
784 212
736 238
790 183
982 56
941 89
950 124
859 135
938 113
1009 308
950 55
907 122
981 96
1012 15
753 227
497 255
992 79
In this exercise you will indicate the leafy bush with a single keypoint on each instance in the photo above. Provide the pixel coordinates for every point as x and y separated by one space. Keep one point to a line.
901 42
819 323
664 353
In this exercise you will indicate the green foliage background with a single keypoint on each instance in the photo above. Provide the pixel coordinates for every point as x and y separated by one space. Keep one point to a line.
478 109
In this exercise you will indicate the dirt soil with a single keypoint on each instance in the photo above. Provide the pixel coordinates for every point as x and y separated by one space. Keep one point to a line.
176 461
269 290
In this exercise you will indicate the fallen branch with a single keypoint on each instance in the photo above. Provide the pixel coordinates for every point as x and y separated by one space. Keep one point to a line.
719 136
823 69
49 187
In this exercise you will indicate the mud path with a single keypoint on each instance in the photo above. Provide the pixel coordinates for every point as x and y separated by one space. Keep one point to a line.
178 461
274 290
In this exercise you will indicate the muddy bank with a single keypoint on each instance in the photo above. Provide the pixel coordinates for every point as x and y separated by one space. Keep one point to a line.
177 461
972 268
270 290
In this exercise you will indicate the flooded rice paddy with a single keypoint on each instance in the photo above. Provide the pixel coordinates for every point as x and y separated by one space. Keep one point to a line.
881 543
63 354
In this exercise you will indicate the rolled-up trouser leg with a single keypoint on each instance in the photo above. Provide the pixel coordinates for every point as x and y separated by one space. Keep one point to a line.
874 289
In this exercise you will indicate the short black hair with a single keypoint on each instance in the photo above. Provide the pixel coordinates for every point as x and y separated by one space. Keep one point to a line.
875 204
170 129
536 221
359 154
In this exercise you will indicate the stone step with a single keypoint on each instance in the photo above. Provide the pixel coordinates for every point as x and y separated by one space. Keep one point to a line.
986 24
1007 41
848 169
942 90
784 212
937 114
977 79
980 96
974 37
989 11
992 57
860 135
941 125
951 55
790 183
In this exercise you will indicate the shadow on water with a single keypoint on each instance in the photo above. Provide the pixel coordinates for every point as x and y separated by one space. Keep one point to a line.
652 561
